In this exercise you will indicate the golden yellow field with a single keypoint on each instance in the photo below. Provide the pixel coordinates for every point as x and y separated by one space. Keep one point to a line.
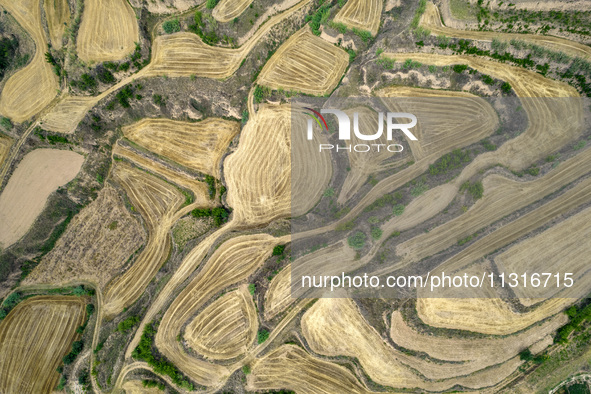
108 31
278 295
363 165
5 144
198 146
96 245
233 262
184 54
174 175
157 201
38 175
481 351
501 197
32 88
136 387
65 116
259 173
34 337
57 13
290 367
335 326
227 10
226 328
362 15
305 63
561 248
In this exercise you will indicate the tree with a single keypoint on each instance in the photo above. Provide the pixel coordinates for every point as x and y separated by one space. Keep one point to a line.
357 240
171 26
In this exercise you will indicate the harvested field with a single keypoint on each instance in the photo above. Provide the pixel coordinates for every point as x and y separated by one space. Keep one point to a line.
32 88
184 54
65 116
136 387
492 315
278 295
96 245
501 197
198 146
227 10
448 120
305 63
334 326
481 351
178 177
57 13
5 144
290 367
361 15
34 337
259 173
234 261
226 328
561 248
328 260
363 165
431 20
547 130
38 175
157 201
108 31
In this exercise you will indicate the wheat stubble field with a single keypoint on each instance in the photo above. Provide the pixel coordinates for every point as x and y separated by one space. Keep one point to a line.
156 175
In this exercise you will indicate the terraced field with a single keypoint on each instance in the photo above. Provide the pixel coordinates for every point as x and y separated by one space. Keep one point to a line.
33 87
305 63
35 336
197 146
362 15
220 309
227 10
108 31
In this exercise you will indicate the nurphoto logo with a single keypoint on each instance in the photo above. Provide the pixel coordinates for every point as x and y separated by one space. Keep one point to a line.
344 127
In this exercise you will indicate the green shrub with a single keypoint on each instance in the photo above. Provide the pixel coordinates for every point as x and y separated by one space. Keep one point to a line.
144 352
489 146
171 26
376 233
246 369
6 123
89 309
262 336
420 188
460 68
398 209
278 250
526 355
363 34
449 161
211 4
318 18
127 324
506 87
357 240
252 288
159 100
105 76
